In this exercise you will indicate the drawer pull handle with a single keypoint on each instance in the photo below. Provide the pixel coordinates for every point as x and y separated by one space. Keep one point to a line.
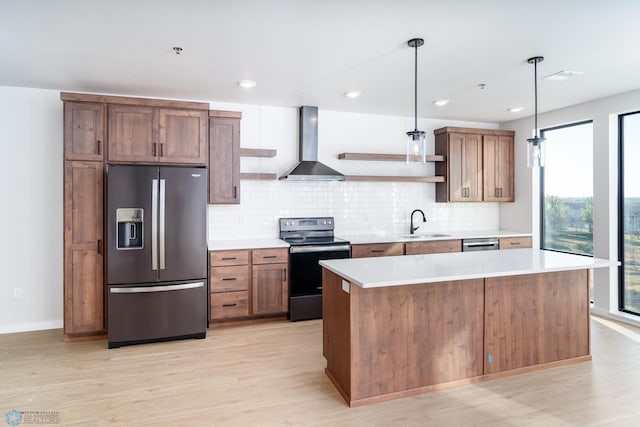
229 305
377 251
270 256
228 258
226 279
515 243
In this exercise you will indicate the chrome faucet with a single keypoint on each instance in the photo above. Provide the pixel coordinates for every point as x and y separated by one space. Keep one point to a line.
412 229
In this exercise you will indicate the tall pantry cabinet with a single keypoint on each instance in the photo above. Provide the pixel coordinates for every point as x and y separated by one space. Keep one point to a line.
99 130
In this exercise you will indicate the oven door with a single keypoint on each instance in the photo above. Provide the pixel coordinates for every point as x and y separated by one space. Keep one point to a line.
305 274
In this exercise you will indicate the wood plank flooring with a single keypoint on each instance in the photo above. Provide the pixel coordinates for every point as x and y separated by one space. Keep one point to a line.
272 374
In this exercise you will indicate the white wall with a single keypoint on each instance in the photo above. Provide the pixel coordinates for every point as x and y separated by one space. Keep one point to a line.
524 213
31 214
359 207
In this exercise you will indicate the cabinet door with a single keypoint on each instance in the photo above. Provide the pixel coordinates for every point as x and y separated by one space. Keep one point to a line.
465 167
498 168
224 160
83 252
182 136
269 289
83 131
133 134
433 247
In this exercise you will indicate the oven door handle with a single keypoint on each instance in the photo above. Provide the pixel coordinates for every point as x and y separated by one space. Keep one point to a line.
318 248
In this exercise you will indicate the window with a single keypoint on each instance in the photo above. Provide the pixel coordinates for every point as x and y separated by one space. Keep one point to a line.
629 212
566 189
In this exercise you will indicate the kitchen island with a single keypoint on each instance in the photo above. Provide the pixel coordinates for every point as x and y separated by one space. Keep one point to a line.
399 326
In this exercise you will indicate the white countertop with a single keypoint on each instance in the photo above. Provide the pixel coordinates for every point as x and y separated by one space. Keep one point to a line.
229 245
415 269
426 236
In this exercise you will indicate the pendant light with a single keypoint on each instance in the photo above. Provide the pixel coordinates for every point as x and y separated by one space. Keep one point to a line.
535 145
416 144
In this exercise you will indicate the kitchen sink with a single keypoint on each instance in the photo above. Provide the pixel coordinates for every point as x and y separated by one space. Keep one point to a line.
425 236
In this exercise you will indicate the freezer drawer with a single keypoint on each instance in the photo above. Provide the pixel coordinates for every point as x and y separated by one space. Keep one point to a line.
156 312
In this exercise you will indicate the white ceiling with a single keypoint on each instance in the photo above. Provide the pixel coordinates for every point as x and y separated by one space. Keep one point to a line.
303 52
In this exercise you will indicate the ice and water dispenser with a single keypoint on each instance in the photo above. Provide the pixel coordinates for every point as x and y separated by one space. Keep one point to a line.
129 231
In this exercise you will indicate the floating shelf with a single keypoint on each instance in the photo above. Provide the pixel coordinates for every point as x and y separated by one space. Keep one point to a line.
262 176
395 178
257 152
385 157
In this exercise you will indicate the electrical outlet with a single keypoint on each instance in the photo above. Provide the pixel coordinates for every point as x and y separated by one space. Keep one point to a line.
17 293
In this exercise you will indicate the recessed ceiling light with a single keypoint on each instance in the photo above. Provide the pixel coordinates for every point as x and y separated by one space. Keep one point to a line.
441 102
562 75
353 94
515 109
247 84
178 50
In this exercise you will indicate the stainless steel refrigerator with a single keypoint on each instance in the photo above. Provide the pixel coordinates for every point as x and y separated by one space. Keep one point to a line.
156 253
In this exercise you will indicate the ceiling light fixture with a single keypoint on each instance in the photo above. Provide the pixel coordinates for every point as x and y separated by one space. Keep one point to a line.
441 102
562 75
247 84
535 145
416 146
515 109
352 94
178 50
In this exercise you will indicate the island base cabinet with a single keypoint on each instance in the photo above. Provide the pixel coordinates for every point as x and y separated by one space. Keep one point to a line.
535 319
402 337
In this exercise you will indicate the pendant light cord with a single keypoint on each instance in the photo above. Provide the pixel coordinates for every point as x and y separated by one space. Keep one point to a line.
415 89
535 89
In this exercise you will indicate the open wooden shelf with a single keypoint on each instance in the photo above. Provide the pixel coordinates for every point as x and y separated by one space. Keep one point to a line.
395 178
385 157
257 152
262 176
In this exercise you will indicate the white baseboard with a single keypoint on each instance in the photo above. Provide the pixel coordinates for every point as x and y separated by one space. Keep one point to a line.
619 316
26 327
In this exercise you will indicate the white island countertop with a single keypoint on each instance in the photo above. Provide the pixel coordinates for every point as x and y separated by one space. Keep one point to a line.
416 269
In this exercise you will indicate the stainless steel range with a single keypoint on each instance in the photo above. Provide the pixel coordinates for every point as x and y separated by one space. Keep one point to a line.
311 240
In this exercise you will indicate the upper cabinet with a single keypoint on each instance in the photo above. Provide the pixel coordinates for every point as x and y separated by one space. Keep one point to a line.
478 165
163 135
84 131
224 157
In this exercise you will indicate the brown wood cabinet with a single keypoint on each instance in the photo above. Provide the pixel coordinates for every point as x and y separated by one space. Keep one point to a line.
248 284
377 249
269 287
498 168
84 131
146 134
478 165
224 157
83 249
535 319
433 247
515 242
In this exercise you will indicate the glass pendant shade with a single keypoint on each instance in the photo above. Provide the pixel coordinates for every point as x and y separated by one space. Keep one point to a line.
416 147
535 152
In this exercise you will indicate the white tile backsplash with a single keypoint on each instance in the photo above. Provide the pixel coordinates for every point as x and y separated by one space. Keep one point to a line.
358 208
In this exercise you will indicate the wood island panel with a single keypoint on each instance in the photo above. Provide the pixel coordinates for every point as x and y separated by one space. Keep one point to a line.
535 319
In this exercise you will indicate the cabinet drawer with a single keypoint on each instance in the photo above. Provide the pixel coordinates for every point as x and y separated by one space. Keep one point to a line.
515 242
433 247
222 258
229 278
377 249
269 256
229 304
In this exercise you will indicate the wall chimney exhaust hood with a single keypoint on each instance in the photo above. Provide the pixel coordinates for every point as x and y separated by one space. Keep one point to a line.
309 168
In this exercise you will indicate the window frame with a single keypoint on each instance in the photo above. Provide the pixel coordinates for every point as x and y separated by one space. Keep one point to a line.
542 227
621 258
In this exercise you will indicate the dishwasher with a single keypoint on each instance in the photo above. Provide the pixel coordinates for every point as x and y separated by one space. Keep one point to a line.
483 244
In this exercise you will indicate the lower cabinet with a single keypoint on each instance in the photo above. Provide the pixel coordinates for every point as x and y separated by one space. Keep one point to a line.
515 242
377 249
433 247
246 284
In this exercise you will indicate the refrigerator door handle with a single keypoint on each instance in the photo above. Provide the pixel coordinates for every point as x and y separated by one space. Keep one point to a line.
163 288
161 224
154 224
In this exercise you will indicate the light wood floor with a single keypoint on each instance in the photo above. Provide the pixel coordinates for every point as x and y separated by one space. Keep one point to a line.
272 374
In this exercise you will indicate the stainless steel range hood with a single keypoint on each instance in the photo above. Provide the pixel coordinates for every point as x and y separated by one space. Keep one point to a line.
309 168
